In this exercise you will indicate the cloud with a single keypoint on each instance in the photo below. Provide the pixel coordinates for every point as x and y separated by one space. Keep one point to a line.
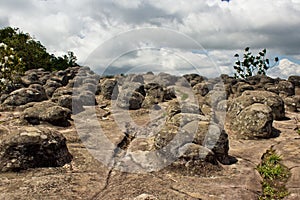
220 27
285 69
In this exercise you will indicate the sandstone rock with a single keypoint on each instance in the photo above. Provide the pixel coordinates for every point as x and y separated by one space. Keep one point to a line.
30 78
165 80
109 89
290 104
51 86
23 96
250 97
32 147
286 88
49 112
128 99
194 79
253 122
295 80
201 88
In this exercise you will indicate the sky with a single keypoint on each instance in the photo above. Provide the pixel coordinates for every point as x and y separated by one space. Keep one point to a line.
177 36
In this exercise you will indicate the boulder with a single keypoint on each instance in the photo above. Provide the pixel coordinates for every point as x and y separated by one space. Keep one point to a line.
295 80
129 99
32 147
290 104
49 112
51 86
253 122
109 89
201 88
25 95
248 98
165 79
285 88
194 79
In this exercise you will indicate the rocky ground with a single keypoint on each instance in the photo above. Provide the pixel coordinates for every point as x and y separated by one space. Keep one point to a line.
51 146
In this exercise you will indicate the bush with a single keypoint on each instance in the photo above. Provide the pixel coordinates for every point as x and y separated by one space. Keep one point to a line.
252 65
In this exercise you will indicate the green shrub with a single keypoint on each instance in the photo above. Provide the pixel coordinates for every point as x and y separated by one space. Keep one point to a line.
251 65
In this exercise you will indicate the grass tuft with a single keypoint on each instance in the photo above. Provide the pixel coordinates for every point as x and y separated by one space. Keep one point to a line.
274 175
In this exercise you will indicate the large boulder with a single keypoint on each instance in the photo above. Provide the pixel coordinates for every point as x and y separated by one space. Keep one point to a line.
25 95
253 122
49 112
32 147
129 99
248 98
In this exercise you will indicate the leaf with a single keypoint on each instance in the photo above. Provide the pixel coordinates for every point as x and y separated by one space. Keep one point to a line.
236 55
276 59
247 48
267 61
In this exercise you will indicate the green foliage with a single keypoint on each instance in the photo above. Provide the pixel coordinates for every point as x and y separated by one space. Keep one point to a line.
274 176
11 66
33 53
251 65
298 131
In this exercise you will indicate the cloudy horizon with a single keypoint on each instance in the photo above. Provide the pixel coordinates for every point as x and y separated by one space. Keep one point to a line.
221 28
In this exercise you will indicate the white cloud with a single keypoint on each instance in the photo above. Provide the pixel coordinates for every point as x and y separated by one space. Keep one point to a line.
222 28
285 69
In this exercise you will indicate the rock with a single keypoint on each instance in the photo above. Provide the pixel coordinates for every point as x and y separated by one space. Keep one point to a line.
194 79
51 86
242 87
49 112
295 80
169 94
32 147
250 97
253 122
214 97
23 96
62 91
154 95
56 115
285 88
290 104
194 160
31 78
65 101
165 80
109 89
131 100
135 78
201 89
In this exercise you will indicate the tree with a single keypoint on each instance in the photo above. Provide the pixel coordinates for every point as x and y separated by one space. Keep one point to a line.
33 53
252 65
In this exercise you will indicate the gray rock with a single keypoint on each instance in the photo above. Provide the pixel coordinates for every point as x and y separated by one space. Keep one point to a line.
32 147
109 89
23 96
250 97
131 100
49 112
253 122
